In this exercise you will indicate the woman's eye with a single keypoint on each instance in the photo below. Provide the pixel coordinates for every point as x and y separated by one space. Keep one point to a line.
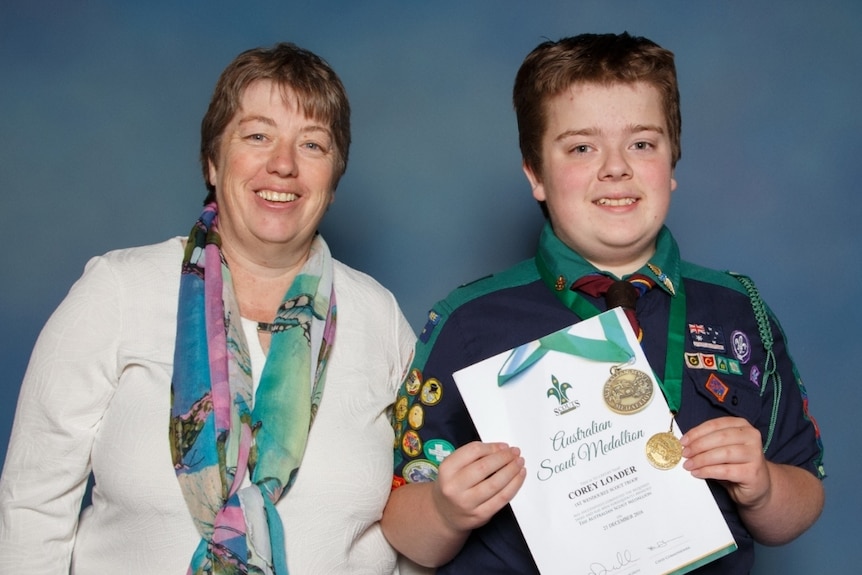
315 147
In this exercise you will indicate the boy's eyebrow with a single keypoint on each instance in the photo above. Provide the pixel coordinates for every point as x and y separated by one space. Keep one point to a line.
633 129
581 132
646 128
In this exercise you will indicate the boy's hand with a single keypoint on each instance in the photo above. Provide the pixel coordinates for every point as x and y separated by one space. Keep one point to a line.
729 450
475 482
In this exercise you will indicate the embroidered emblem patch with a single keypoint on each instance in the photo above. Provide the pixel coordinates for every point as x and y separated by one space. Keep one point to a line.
707 360
734 367
706 337
741 346
433 320
420 471
754 375
397 482
431 392
437 450
693 360
413 381
411 444
401 409
416 416
717 387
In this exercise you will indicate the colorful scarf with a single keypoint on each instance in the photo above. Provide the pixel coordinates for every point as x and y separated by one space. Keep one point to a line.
216 437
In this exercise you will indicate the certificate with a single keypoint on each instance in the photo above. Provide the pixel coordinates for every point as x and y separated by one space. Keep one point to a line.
605 490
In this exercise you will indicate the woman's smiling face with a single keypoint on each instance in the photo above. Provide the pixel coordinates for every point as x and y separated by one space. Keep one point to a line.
275 175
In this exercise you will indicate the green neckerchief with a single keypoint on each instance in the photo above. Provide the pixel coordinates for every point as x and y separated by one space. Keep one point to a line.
559 266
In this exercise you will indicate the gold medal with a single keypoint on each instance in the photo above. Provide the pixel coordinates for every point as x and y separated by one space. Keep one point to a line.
627 390
663 450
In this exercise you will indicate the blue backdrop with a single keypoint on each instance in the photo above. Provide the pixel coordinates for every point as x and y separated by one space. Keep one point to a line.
101 103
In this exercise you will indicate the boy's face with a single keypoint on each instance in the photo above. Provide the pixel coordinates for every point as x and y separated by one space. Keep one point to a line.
606 172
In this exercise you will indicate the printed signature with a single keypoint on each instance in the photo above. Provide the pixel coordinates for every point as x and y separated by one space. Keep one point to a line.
662 543
622 559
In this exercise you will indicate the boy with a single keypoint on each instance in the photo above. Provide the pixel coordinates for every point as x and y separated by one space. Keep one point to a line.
599 127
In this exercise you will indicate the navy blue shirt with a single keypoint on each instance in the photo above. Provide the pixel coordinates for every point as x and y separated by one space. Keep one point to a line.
724 358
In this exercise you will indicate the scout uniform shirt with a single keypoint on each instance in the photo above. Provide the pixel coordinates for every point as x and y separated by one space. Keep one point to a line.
724 361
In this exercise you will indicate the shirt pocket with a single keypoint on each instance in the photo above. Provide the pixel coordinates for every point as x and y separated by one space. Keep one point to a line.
720 394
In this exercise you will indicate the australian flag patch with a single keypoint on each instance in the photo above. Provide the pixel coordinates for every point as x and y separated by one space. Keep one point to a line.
706 337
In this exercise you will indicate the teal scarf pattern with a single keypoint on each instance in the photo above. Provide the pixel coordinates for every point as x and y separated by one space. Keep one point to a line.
237 451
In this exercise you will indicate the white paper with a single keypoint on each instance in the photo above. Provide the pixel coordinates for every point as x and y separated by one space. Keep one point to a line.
592 503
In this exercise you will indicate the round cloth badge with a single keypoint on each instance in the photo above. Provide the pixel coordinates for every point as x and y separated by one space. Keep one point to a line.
416 416
741 346
401 409
413 381
420 471
411 444
432 391
437 450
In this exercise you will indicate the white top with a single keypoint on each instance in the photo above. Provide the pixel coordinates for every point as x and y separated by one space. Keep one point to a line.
96 395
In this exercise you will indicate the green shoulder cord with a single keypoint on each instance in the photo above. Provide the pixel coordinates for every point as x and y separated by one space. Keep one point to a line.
770 369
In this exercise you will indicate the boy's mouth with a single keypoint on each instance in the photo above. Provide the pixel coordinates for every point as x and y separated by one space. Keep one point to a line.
614 202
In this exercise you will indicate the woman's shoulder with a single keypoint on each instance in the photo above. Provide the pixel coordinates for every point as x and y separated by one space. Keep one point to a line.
351 280
168 250
137 266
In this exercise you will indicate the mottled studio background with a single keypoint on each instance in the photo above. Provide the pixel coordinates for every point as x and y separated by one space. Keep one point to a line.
100 104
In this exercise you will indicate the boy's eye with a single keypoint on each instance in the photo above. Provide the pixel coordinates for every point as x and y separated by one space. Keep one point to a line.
581 149
642 145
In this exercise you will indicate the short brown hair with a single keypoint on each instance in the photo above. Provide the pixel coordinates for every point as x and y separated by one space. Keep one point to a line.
319 90
590 58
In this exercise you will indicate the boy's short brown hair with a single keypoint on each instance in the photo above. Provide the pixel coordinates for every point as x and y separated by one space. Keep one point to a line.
590 58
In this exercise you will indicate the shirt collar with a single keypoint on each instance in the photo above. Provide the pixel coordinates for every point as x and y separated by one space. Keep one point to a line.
565 265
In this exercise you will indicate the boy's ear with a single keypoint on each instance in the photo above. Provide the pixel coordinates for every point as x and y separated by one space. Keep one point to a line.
535 182
672 180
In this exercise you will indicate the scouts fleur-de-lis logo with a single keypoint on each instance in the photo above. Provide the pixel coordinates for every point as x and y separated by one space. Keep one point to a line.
559 390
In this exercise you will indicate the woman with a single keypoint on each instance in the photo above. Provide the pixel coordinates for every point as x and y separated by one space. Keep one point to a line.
230 391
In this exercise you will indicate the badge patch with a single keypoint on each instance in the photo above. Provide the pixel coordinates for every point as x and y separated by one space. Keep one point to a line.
741 346
717 387
706 337
397 482
432 390
734 367
433 320
754 375
413 381
401 409
411 444
416 416
420 471
707 360
437 450
693 360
